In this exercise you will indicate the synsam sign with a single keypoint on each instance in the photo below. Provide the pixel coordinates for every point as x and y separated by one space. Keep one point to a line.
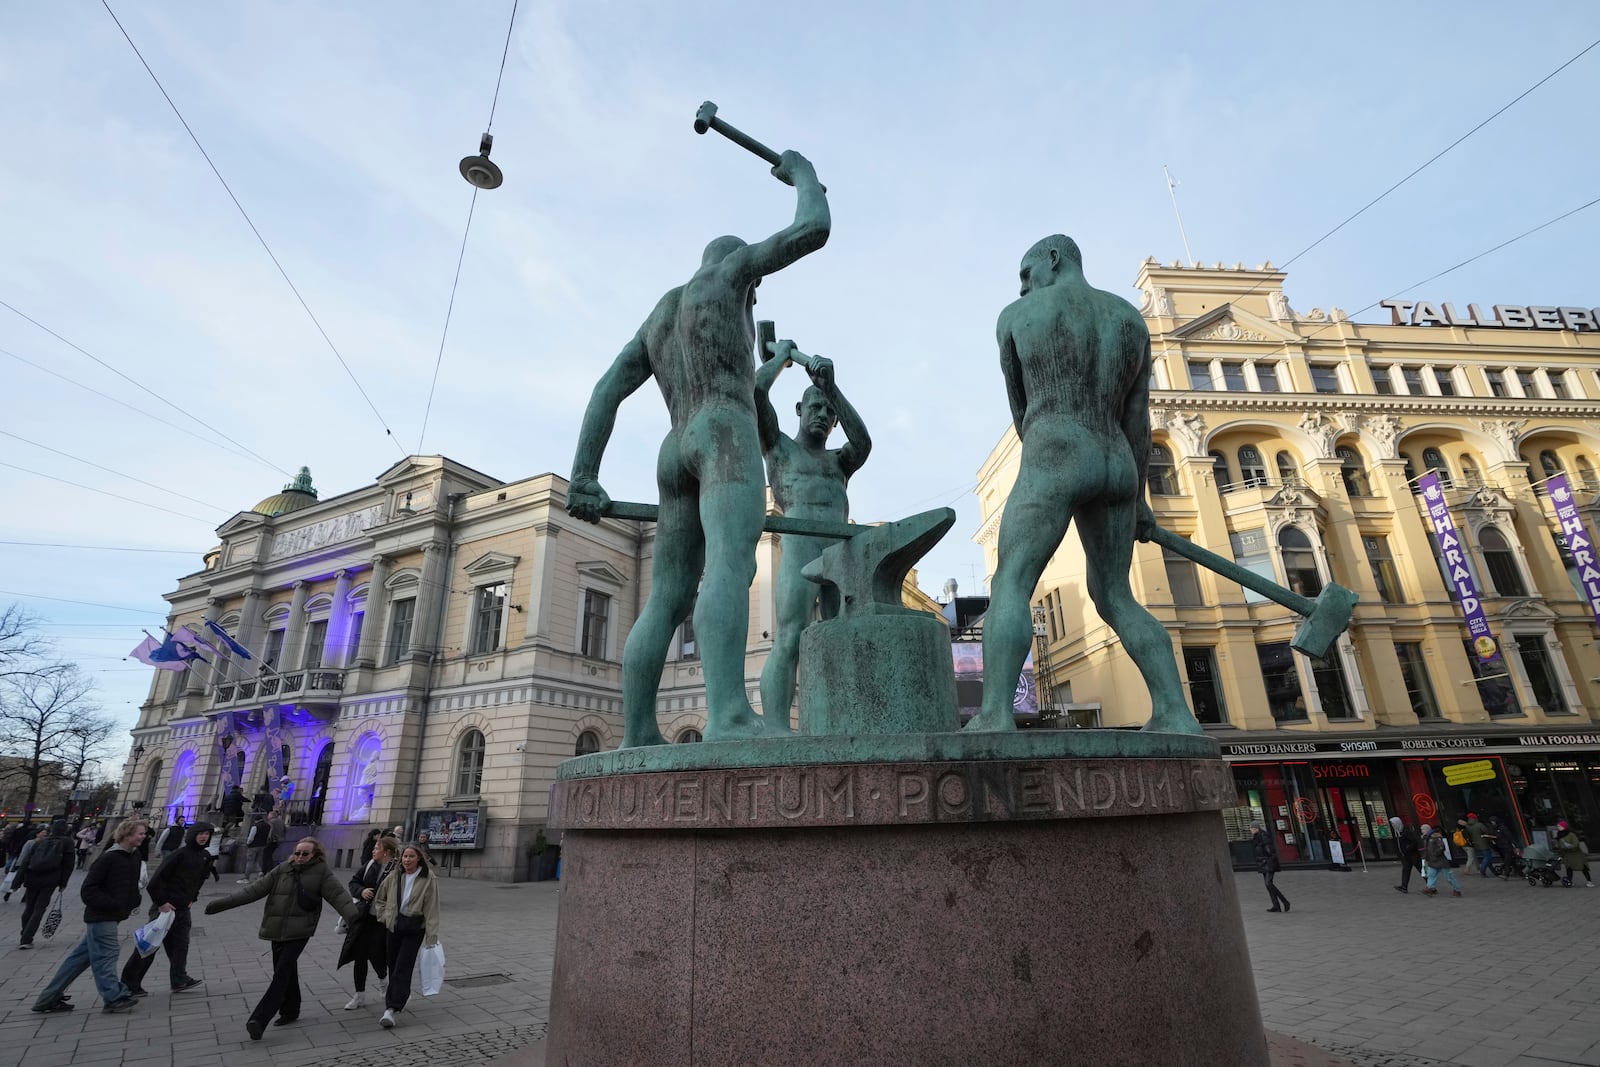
1427 313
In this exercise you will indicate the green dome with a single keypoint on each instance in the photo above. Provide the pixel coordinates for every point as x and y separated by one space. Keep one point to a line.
296 495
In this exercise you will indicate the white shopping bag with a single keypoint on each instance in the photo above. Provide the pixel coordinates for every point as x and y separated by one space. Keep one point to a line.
432 969
149 936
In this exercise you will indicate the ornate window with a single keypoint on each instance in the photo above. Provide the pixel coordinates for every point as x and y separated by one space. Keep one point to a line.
1470 478
316 642
1159 474
1586 479
1384 575
1501 562
1219 467
596 623
1285 699
1415 672
319 783
1299 561
1433 459
1200 667
1550 464
401 615
488 616
469 764
1351 472
588 742
1288 470
688 736
1252 468
364 768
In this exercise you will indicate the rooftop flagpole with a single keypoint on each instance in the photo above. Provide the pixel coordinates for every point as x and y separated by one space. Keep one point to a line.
1172 187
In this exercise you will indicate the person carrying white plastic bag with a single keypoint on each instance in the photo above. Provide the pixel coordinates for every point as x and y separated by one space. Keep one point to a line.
148 937
432 958
407 903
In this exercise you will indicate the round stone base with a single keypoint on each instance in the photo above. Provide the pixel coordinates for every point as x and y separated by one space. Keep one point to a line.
1087 917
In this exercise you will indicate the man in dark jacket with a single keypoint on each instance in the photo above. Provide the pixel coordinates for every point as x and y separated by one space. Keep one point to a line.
110 893
47 868
1409 842
232 810
172 839
175 885
1267 863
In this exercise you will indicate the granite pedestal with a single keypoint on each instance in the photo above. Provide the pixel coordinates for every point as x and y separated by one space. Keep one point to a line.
1043 897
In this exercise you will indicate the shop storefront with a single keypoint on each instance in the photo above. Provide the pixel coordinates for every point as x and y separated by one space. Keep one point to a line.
1328 801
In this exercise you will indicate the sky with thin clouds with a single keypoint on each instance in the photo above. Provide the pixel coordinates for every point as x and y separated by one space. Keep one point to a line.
951 136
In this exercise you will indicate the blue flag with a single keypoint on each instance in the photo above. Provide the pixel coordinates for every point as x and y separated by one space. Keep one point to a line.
237 649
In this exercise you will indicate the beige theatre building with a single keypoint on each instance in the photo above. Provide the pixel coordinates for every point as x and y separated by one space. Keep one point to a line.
439 641
1293 443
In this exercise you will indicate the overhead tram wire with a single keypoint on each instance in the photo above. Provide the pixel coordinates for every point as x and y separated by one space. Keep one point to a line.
249 222
108 470
102 492
101 548
82 603
461 256
182 411
140 411
1431 160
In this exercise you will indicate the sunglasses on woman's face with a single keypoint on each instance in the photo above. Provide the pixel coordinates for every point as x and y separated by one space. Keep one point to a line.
307 855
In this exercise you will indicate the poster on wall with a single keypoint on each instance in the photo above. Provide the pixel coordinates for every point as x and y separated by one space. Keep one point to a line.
968 659
449 828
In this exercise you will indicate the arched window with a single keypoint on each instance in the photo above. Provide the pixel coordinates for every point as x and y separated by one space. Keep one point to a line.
469 764
319 783
1586 479
1411 470
1501 561
1159 474
268 784
1299 561
152 781
1352 472
1288 469
1219 467
687 736
588 742
1550 464
1252 468
1433 459
1470 478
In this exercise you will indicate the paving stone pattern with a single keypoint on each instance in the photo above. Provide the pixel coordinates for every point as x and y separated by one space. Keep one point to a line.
1504 975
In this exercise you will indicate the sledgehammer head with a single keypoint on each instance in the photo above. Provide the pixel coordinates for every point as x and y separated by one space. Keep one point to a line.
1330 616
703 117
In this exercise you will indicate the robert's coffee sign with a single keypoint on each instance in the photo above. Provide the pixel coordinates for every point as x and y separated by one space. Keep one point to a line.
1427 313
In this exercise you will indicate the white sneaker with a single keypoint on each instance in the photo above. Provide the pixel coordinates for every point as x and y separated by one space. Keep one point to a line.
1589 884
387 1022
356 1001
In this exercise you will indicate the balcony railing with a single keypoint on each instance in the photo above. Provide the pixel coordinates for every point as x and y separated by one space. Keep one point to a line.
278 687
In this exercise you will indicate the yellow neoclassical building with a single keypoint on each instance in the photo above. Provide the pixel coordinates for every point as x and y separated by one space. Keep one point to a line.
1293 443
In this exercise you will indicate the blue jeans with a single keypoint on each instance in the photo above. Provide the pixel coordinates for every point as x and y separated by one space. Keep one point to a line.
1447 873
1486 856
96 950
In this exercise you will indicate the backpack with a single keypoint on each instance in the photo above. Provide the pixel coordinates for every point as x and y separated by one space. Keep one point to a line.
47 857
1460 838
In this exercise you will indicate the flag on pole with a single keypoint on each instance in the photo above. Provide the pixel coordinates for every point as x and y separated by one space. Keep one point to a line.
234 646
165 655
187 638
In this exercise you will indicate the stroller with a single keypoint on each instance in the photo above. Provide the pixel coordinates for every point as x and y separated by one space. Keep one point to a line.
1542 866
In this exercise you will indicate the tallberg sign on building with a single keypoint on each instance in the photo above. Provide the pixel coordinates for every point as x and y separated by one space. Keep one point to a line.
1427 313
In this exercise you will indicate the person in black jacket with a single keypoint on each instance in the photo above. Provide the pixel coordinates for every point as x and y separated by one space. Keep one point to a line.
45 868
1267 863
110 893
366 943
172 839
175 885
1409 842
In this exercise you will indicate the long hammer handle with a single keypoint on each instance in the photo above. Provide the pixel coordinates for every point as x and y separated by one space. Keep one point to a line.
780 524
767 346
706 119
1229 569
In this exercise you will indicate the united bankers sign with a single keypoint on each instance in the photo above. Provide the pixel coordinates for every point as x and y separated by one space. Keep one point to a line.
1427 313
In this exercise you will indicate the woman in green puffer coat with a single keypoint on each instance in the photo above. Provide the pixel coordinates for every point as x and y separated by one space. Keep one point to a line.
1573 856
295 890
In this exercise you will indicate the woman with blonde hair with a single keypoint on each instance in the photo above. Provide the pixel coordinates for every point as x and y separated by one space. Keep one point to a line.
407 903
295 890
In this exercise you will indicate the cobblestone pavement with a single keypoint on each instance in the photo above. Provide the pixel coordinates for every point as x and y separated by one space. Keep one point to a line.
1504 975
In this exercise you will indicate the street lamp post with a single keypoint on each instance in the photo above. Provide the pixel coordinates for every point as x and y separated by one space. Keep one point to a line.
138 750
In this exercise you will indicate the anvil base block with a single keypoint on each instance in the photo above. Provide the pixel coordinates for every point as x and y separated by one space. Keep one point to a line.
938 938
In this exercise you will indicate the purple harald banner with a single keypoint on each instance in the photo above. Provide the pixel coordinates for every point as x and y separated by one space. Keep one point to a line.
1579 544
1462 583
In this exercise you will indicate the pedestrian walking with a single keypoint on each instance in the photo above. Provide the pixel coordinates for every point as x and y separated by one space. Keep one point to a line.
86 839
172 839
110 893
44 868
260 843
1267 863
276 831
1482 842
1409 843
1573 856
232 810
1462 842
407 903
18 840
26 848
1438 858
174 887
366 943
295 890
1505 845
